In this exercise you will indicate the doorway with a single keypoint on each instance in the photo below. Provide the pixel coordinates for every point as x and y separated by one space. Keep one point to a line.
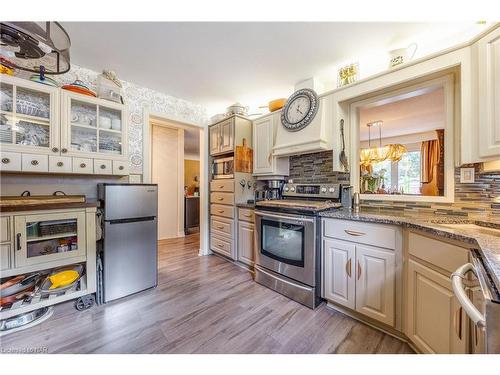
174 159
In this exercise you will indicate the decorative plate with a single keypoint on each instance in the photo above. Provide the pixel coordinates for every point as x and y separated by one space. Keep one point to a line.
300 110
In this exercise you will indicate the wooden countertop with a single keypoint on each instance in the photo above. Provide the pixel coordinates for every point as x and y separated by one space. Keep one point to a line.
50 206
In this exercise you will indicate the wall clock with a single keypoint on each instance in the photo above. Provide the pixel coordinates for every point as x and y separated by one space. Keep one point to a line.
299 110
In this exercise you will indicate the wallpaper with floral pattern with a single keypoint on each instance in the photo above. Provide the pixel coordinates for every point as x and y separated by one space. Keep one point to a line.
137 98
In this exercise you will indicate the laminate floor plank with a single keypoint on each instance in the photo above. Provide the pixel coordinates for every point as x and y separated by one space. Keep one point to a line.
202 305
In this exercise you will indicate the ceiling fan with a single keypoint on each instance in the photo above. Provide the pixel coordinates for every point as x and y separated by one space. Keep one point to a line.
38 47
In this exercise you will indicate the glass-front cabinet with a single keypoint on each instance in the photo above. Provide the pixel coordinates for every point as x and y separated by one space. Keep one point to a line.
93 127
29 116
48 237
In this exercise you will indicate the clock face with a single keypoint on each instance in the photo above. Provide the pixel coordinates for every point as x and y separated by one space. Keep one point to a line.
299 110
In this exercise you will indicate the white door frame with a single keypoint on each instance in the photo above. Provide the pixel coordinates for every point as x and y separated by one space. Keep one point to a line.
150 117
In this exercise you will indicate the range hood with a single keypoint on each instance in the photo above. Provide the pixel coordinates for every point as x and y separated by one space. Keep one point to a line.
316 137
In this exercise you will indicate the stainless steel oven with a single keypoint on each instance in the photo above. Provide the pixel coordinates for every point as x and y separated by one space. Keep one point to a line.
223 168
287 244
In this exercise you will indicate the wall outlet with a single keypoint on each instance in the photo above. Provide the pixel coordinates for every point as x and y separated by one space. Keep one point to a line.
467 175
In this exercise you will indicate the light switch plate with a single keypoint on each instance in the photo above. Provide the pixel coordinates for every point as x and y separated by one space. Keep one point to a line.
467 175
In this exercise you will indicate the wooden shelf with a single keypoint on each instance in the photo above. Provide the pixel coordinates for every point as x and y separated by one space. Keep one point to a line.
51 237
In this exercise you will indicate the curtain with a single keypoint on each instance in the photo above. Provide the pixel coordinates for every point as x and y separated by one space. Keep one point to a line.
431 163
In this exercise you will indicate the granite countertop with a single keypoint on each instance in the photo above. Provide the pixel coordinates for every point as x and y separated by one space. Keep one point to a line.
250 206
483 238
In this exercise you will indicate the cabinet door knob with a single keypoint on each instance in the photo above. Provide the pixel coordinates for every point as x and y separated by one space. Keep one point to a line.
60 163
34 162
359 270
18 241
121 167
348 268
55 149
83 165
5 160
64 150
103 166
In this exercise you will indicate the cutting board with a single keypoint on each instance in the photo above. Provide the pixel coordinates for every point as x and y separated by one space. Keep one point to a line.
34 200
243 158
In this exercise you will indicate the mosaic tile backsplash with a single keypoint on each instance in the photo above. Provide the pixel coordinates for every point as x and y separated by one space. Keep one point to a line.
138 98
481 197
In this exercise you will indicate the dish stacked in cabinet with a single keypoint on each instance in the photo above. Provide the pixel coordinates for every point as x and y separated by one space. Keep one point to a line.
45 129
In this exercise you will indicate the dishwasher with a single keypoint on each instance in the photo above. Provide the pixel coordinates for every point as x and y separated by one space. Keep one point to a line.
480 298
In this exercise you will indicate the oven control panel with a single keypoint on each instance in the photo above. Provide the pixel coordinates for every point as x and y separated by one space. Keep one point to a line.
331 191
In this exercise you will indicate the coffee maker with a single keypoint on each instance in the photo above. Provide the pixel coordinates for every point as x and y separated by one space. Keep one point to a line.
272 190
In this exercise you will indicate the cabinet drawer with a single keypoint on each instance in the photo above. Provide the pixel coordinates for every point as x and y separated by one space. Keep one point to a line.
103 166
222 198
372 234
10 161
441 254
222 225
220 245
35 163
120 168
60 164
5 256
4 229
83 165
222 185
246 214
224 211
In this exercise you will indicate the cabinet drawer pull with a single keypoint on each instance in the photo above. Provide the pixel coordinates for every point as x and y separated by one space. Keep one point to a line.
5 160
220 227
359 270
34 162
220 198
60 163
221 186
247 215
83 165
55 149
18 241
64 150
354 233
220 245
457 322
269 158
121 167
103 166
348 267
220 211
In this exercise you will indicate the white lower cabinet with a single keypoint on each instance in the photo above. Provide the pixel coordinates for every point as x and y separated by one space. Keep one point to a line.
375 282
361 278
246 252
339 279
435 321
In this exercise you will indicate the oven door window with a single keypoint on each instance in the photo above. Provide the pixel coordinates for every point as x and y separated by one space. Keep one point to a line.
283 242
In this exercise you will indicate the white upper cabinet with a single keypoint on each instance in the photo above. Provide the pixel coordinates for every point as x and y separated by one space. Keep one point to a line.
222 137
488 60
92 127
29 117
37 120
264 133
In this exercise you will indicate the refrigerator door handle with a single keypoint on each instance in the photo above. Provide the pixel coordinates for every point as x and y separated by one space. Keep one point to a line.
131 220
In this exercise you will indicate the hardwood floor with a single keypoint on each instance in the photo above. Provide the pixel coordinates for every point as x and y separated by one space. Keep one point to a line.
202 305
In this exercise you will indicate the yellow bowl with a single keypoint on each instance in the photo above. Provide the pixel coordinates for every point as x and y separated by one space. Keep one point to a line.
63 278
276 104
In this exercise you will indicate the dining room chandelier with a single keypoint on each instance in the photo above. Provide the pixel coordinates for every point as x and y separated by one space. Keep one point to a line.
371 155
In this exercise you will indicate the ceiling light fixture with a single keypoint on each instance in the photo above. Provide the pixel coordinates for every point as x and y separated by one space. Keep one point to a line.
372 155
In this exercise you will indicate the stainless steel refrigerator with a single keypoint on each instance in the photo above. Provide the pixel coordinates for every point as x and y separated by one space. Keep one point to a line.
129 244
